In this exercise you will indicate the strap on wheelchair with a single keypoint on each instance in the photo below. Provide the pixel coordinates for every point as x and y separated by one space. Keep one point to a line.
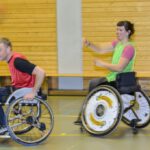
126 82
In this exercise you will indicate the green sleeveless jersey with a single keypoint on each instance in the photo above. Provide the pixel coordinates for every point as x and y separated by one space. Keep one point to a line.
115 60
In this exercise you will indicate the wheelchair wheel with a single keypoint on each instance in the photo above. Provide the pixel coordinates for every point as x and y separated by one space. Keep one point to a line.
33 118
141 110
102 111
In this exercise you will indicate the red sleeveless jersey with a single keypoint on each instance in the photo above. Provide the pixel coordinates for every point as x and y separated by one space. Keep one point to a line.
20 79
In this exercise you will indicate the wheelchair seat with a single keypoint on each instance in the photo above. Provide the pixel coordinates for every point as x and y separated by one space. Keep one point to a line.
127 83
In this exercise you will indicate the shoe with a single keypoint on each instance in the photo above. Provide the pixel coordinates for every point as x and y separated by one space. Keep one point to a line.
3 129
4 132
78 122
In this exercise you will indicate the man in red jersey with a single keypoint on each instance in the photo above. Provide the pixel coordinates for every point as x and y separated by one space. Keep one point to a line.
23 74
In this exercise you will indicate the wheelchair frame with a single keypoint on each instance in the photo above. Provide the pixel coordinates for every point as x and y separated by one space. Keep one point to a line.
29 122
106 105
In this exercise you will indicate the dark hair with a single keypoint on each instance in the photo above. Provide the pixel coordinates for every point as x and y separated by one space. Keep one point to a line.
128 26
6 42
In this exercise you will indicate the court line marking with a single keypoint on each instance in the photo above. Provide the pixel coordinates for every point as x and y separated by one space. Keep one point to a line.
69 135
58 115
88 135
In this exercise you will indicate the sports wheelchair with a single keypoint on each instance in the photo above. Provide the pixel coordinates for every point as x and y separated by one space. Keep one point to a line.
29 122
107 104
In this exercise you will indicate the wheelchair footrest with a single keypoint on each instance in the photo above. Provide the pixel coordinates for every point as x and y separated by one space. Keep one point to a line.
134 124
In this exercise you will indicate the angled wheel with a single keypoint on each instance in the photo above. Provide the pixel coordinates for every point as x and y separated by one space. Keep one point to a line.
35 116
140 109
102 111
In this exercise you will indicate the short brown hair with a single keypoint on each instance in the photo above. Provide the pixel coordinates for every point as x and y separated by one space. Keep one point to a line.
6 41
127 25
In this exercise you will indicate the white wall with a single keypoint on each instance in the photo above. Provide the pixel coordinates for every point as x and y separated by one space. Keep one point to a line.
69 38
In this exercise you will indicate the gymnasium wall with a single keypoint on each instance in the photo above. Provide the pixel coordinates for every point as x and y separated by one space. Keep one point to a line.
31 26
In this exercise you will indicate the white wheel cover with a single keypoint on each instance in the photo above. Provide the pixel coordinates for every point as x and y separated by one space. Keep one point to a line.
110 103
143 111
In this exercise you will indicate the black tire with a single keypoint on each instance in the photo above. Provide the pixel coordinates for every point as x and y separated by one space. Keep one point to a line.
41 126
100 115
146 107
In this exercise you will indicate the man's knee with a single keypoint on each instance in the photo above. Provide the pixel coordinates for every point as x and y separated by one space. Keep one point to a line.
4 93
